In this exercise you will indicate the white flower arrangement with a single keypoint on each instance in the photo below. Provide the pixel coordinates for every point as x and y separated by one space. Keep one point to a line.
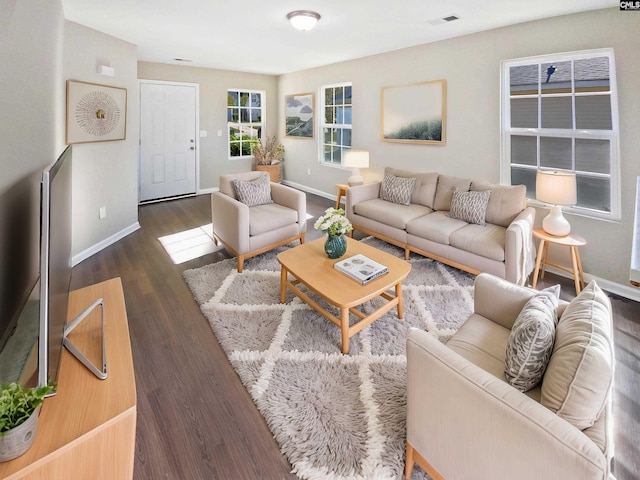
333 222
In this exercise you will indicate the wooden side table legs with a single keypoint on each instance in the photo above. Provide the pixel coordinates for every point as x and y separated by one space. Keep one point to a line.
573 242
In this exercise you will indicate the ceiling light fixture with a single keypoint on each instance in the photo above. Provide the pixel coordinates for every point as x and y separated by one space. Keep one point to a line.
303 19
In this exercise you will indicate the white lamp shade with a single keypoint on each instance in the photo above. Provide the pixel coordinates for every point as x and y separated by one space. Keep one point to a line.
556 188
356 159
303 20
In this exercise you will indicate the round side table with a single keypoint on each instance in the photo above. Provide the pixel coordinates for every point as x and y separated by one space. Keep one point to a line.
342 192
573 241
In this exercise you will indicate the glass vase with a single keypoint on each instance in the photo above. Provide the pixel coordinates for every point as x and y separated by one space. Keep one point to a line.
335 246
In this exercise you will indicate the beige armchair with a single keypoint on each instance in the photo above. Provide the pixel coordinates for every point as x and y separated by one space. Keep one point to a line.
246 230
464 420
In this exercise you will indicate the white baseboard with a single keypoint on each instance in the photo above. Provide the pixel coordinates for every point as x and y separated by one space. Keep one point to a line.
304 188
205 191
76 259
626 291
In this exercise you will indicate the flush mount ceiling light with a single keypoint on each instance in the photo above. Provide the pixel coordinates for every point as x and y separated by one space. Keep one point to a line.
303 19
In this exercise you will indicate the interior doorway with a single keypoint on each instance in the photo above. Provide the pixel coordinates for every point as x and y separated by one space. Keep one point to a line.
168 140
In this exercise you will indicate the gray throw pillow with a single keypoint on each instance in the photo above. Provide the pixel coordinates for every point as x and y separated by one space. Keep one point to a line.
255 192
469 206
531 340
397 189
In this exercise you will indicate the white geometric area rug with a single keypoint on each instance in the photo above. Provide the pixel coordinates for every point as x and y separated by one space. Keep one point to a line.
334 416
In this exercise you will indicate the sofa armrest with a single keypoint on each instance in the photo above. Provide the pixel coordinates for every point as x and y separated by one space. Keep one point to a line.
293 199
469 424
360 193
519 252
230 221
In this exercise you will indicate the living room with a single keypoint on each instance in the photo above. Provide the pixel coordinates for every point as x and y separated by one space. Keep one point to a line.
53 49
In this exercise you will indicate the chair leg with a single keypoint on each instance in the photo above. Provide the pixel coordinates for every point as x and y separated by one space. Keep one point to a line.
302 239
408 464
240 263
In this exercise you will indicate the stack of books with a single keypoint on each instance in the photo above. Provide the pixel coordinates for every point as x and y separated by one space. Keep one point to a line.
361 268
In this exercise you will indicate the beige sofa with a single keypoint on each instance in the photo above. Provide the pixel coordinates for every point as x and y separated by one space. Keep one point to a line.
503 246
464 420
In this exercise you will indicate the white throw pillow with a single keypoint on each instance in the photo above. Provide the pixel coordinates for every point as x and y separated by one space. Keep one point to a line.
255 192
531 340
579 376
469 206
397 189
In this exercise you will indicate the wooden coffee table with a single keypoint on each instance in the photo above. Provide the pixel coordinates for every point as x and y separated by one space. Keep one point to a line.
310 266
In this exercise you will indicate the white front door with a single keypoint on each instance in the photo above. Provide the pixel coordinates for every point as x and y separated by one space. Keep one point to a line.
167 140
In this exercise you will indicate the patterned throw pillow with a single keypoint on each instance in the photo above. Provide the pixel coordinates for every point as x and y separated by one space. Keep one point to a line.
469 206
255 192
397 189
531 340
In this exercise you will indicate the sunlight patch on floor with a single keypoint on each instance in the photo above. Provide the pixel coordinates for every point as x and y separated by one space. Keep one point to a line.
189 244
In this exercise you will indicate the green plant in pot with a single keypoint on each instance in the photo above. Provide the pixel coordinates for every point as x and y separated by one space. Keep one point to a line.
19 410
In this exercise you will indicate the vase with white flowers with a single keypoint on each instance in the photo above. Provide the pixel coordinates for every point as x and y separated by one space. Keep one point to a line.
335 225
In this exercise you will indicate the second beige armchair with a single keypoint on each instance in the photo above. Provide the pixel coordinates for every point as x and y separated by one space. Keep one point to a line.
271 215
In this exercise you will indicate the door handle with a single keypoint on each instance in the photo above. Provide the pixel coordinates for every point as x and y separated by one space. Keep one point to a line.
192 148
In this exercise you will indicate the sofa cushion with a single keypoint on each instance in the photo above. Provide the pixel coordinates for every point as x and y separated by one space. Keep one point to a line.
487 241
505 202
254 192
469 206
390 213
436 226
444 190
424 190
270 216
531 340
579 376
397 189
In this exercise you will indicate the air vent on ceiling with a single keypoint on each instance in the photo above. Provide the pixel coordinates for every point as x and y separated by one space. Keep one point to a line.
443 20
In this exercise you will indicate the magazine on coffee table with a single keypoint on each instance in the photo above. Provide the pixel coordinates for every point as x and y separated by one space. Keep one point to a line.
361 268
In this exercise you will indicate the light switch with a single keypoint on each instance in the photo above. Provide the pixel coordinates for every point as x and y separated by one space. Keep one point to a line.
219 133
203 133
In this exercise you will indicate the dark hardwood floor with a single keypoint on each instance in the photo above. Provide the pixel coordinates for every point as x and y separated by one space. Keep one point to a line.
195 419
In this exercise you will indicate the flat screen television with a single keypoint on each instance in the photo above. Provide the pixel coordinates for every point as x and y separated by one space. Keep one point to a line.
55 264
55 274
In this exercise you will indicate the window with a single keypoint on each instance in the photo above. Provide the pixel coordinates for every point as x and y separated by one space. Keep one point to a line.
335 122
560 112
245 117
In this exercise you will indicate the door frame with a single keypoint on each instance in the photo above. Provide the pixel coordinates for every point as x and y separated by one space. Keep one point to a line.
197 126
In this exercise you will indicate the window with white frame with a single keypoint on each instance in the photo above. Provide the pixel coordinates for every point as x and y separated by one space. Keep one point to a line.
560 112
245 117
335 122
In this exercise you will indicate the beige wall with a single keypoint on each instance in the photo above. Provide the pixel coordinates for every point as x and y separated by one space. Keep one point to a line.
31 96
105 174
471 66
213 85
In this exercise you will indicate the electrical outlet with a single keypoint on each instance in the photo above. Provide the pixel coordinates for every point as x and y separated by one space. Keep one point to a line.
308 171
103 212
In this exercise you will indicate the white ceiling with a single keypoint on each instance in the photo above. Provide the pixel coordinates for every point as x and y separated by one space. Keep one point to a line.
255 35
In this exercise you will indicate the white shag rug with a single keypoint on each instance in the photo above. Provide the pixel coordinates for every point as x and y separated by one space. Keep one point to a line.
334 416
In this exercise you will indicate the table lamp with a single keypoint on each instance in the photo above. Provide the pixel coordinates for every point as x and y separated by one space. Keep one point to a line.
356 159
556 189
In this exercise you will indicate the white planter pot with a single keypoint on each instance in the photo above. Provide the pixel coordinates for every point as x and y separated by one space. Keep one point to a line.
17 441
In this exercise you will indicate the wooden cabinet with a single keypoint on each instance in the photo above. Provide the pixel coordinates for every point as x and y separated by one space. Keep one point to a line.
87 430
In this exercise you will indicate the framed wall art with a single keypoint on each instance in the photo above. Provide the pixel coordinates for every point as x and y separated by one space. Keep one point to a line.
95 113
299 111
415 113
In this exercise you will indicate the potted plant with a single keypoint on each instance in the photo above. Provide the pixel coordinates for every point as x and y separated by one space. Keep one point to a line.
19 410
268 155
